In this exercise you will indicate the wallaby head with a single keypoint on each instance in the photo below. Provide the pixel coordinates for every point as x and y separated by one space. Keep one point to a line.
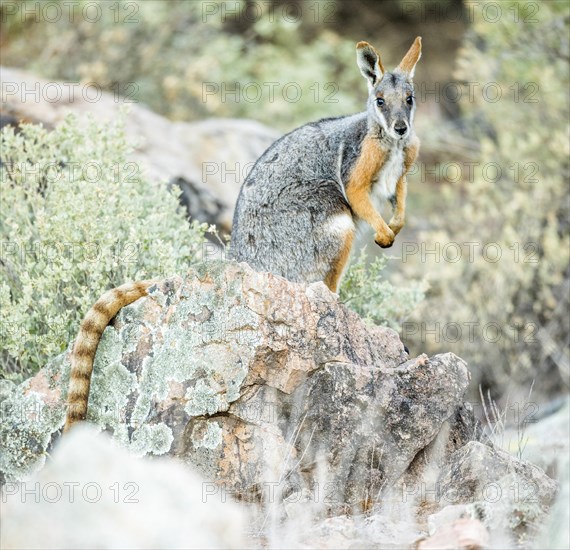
391 102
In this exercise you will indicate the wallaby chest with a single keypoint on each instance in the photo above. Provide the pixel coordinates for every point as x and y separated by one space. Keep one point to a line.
384 182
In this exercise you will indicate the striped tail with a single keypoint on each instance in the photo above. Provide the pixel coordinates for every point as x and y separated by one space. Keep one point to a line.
86 343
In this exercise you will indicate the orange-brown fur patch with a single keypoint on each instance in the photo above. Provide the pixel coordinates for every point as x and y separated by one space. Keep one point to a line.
411 58
361 45
87 341
359 185
333 276
101 307
82 351
411 154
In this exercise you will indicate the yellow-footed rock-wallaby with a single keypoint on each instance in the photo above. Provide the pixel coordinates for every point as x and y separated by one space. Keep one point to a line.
298 208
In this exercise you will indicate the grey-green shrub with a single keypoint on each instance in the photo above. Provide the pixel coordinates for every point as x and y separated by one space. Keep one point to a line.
173 57
523 214
365 290
77 219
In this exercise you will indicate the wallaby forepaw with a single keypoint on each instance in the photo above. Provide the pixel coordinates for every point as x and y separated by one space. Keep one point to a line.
386 239
396 226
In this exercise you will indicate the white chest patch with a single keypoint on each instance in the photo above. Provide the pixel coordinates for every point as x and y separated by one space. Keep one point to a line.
384 185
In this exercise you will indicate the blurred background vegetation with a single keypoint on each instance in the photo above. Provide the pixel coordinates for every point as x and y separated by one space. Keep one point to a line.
492 177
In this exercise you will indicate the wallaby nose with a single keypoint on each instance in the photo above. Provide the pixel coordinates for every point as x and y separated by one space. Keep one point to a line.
400 128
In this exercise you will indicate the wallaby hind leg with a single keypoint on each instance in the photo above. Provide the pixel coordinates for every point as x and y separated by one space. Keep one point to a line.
332 278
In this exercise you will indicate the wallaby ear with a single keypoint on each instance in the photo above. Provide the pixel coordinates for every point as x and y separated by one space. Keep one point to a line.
408 64
369 63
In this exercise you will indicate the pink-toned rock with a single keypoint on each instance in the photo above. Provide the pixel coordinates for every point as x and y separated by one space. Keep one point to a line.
462 534
267 387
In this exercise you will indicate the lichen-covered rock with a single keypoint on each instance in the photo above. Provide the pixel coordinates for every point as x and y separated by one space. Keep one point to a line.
269 388
376 532
510 496
479 472
30 416
366 424
555 530
92 494
419 483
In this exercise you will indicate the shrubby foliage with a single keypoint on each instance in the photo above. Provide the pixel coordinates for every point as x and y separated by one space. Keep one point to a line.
521 297
365 290
77 219
169 55
178 56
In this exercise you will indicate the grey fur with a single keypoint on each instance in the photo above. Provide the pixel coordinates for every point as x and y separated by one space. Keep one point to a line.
299 183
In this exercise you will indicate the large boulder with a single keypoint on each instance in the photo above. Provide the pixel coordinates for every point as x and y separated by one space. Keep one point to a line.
261 384
279 395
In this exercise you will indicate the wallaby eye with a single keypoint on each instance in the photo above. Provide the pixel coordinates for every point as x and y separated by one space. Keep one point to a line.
379 101
410 100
